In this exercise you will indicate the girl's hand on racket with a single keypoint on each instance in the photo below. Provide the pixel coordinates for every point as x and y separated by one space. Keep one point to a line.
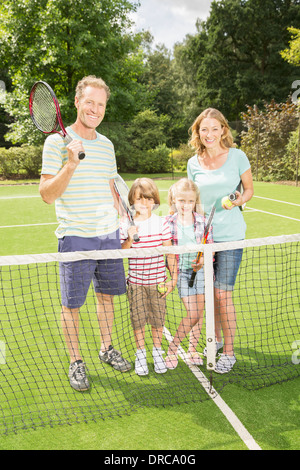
198 265
74 148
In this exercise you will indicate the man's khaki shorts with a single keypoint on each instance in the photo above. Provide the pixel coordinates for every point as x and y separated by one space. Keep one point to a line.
146 306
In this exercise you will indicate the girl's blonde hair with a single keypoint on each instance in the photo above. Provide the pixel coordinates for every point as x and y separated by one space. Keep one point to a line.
212 113
146 188
181 186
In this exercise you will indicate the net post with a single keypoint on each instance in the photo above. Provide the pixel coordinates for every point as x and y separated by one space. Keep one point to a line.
209 307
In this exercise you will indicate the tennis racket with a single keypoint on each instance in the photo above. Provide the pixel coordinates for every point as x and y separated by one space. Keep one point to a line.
45 112
240 189
203 241
122 191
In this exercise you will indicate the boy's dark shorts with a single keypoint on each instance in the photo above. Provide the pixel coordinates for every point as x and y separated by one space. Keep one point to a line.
108 275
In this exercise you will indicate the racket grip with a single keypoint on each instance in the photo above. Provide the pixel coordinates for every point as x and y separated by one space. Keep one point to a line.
191 282
136 237
81 155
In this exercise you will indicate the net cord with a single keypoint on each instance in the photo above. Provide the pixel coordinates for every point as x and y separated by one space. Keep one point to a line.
144 252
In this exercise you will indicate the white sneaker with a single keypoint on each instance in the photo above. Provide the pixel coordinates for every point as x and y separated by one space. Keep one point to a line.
225 364
141 367
159 363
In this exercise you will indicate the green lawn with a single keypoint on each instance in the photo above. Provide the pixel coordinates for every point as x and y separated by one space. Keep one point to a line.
270 414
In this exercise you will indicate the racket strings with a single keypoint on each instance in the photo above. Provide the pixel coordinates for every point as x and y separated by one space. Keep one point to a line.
44 110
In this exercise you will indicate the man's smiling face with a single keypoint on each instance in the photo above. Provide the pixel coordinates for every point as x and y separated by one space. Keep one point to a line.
91 107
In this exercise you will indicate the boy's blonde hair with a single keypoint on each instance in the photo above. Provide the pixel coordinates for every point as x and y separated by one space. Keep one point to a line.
181 186
212 113
93 81
146 188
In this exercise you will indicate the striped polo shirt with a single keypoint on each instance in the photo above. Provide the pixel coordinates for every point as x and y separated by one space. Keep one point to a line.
153 232
86 208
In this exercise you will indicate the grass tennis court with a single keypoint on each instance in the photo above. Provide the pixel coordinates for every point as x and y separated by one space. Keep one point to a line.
271 415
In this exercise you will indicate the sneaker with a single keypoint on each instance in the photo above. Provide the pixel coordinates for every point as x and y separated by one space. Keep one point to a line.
77 376
114 358
159 363
194 358
141 367
225 364
218 347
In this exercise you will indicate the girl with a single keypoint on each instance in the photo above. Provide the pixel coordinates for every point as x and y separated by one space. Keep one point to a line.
147 305
187 226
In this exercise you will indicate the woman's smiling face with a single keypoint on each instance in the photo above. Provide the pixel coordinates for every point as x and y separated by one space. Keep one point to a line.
210 132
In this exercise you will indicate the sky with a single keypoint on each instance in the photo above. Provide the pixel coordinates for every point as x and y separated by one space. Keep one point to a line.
170 20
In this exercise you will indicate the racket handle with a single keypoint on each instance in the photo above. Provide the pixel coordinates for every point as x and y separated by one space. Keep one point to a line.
68 139
191 282
136 237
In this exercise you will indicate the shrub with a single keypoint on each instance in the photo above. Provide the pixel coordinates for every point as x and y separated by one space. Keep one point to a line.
266 139
24 162
154 160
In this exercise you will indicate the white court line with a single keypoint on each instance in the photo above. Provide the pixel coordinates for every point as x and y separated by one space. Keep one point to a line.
18 197
271 213
261 197
28 225
223 407
276 200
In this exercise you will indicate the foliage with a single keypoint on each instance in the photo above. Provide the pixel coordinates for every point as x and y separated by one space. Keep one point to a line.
236 54
292 54
181 157
266 139
25 162
146 149
60 42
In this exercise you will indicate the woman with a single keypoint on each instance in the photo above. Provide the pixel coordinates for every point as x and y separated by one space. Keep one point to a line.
217 169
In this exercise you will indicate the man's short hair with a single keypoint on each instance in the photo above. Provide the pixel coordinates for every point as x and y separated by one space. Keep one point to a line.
91 80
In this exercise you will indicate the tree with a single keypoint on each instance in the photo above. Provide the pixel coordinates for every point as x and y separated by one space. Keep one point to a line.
292 54
61 41
146 149
237 54
267 138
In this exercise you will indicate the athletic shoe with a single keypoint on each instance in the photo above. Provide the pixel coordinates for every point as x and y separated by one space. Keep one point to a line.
218 347
194 358
141 367
171 361
225 364
77 376
114 358
159 363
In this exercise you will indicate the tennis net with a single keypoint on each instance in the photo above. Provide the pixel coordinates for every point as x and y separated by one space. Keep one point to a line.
34 360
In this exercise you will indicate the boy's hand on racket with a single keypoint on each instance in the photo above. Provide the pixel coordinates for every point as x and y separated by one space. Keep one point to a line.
74 148
132 230
198 265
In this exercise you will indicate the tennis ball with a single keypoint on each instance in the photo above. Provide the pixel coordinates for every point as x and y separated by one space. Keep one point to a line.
226 201
162 288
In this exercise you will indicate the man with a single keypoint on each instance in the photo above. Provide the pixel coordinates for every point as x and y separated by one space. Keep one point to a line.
88 220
